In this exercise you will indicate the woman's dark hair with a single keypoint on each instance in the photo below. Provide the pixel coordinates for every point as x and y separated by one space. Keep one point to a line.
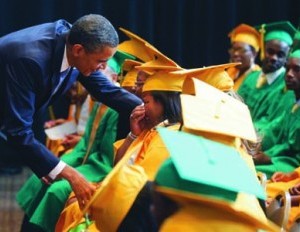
171 103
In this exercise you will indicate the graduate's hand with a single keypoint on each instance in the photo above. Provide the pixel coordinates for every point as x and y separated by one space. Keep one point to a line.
137 120
83 190
70 141
284 177
295 191
261 158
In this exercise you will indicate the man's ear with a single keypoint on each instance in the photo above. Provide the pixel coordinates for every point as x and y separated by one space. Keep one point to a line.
77 50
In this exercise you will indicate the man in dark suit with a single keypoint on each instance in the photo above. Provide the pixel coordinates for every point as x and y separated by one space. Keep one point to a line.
37 65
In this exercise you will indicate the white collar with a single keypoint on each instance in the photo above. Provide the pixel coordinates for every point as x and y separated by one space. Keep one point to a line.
271 77
64 64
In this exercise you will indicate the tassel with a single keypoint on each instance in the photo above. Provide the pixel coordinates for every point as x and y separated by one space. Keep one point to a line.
295 108
262 43
261 81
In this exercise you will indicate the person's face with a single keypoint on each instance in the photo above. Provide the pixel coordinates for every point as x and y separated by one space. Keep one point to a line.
140 80
89 62
153 109
276 52
242 52
292 76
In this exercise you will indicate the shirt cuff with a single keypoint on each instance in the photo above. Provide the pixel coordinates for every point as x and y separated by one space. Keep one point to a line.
58 168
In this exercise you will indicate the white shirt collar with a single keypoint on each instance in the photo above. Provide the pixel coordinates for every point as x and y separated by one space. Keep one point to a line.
271 77
64 64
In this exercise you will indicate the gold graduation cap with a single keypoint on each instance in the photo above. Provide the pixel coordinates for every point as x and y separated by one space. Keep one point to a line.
116 194
131 72
246 34
146 52
162 77
160 60
213 75
218 163
136 46
164 81
215 112
200 213
198 173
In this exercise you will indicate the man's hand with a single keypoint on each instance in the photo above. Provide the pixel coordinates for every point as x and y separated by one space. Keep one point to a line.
70 141
53 123
83 190
295 191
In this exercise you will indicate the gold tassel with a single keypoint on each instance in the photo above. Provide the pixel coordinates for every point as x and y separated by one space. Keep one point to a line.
261 81
262 44
51 113
295 108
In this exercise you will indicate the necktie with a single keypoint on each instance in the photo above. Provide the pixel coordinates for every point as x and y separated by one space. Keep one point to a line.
262 80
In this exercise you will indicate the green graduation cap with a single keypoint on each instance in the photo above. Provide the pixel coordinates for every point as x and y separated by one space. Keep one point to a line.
295 53
118 59
205 167
282 30
295 49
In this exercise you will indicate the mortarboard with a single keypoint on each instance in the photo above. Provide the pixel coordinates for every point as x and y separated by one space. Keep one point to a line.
160 60
295 54
118 59
131 73
213 75
116 194
295 46
199 213
165 78
212 177
216 113
246 34
205 167
136 46
146 52
283 31
297 35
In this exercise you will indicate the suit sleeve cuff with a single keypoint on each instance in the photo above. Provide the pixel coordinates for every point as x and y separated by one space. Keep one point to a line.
58 168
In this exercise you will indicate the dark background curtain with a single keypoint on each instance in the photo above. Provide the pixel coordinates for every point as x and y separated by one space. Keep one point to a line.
191 32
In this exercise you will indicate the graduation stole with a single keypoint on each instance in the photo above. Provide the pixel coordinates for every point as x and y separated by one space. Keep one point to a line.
261 81
100 112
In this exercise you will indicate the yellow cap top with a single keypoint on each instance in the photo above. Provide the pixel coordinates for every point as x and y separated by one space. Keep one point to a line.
164 80
216 112
246 34
136 46
131 73
213 75
159 59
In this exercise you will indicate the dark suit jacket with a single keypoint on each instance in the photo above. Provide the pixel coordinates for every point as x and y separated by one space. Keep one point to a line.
30 61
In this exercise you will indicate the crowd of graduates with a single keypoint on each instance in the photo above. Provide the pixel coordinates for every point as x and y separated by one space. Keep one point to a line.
191 157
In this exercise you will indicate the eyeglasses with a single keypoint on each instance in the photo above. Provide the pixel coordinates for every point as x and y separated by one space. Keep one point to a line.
238 50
